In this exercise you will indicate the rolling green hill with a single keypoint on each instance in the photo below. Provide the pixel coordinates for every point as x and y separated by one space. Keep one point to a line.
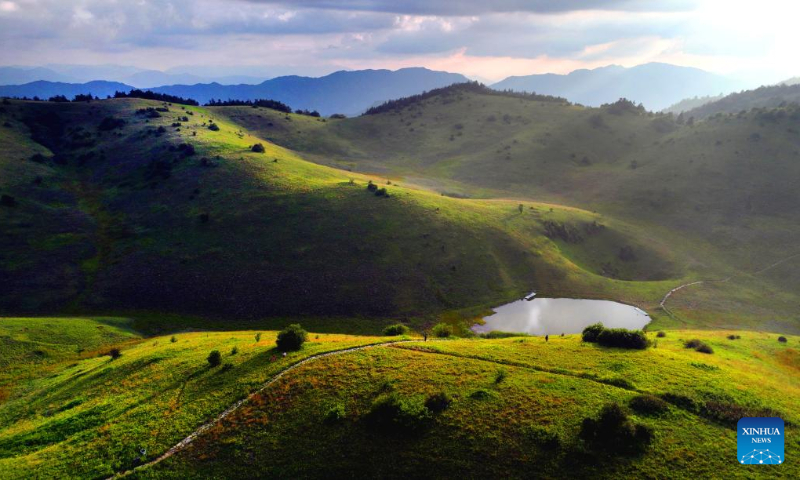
505 407
720 194
118 207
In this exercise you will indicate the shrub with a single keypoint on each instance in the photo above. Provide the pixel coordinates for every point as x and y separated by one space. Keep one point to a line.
393 413
699 346
648 405
591 332
442 330
258 337
396 329
438 402
500 376
381 192
335 414
258 148
371 186
661 334
615 432
782 339
213 127
226 367
173 339
234 350
114 353
291 338
681 401
543 437
734 337
623 338
214 358
482 394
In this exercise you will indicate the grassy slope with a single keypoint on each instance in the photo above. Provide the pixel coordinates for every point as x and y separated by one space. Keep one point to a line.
719 193
283 237
284 433
85 415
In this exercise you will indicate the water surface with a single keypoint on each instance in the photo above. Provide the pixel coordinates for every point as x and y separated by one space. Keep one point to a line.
554 316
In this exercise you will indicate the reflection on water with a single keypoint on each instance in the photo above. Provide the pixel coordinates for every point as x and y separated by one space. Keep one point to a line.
553 316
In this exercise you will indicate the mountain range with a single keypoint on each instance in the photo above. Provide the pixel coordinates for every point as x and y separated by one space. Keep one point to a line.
655 85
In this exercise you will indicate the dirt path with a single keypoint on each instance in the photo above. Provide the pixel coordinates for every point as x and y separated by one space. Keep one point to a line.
724 280
206 426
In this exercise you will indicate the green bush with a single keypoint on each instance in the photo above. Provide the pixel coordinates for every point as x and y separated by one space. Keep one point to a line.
649 405
114 353
291 338
614 432
500 376
234 350
699 346
782 339
623 338
258 337
442 330
258 148
393 413
213 127
661 334
438 402
214 358
173 339
394 330
591 332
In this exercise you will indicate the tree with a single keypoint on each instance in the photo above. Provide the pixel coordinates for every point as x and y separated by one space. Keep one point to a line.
291 338
214 358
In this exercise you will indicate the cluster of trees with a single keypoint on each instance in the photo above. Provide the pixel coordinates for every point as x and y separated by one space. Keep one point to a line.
262 102
81 97
474 87
162 97
615 337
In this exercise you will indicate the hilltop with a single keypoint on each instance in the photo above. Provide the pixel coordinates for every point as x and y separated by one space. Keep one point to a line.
131 204
498 408
719 193
769 97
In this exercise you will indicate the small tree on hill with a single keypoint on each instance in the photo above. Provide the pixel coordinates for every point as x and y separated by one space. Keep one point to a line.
291 338
214 358
258 148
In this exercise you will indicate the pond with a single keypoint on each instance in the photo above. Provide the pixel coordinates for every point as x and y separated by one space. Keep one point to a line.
554 316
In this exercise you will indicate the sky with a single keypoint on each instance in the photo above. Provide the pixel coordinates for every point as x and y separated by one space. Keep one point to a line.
484 39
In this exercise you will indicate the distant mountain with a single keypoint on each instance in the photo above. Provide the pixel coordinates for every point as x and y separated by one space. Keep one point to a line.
44 90
340 92
791 81
762 97
20 75
656 85
349 92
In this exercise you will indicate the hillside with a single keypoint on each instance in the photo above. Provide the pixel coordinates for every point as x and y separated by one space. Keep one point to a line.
505 407
656 85
720 193
763 97
114 206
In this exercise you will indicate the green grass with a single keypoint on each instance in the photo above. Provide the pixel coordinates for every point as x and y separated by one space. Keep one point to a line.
86 415
493 428
283 237
716 197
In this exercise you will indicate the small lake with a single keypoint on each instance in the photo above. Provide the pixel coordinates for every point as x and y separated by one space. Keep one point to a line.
554 316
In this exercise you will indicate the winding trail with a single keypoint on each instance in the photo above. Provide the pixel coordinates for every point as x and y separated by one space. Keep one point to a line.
723 280
208 425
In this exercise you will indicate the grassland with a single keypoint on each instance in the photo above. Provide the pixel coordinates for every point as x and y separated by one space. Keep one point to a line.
717 195
141 224
70 413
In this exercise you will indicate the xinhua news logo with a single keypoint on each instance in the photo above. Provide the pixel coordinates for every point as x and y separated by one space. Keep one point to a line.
760 441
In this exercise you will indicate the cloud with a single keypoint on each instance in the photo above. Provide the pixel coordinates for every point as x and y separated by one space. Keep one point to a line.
477 7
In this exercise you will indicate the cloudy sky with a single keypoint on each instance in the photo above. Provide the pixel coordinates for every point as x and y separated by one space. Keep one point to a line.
484 39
